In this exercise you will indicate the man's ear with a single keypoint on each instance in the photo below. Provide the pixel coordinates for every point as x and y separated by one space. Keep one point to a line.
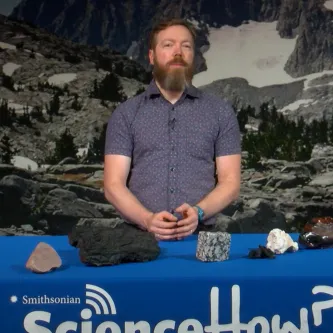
151 57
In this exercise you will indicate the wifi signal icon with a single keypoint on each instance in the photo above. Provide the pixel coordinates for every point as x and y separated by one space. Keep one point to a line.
100 300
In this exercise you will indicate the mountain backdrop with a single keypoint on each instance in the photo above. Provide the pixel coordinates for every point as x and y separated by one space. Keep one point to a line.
66 64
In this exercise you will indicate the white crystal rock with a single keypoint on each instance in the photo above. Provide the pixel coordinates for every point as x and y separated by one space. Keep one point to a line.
279 242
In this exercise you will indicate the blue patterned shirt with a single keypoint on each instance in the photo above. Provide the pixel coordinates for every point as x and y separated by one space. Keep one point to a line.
172 146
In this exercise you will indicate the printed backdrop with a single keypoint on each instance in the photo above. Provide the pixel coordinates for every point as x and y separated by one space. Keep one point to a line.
65 66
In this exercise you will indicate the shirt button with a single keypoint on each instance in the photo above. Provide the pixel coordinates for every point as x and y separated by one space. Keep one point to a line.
172 190
172 169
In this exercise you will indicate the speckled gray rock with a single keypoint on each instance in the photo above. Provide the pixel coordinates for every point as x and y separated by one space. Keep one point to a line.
213 246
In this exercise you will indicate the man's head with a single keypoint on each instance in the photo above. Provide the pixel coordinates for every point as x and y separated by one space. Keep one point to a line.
171 52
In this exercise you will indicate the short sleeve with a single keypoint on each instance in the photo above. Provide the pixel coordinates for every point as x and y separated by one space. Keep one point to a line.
228 141
118 138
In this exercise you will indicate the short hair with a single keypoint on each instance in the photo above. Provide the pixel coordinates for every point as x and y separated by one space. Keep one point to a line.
162 25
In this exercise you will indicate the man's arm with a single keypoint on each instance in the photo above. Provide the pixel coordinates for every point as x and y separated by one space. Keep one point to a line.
116 170
228 185
226 191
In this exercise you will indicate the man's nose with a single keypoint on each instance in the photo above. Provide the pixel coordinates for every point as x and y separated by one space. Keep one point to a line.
177 50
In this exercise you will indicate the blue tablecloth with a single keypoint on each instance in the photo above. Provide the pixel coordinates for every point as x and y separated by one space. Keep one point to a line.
292 293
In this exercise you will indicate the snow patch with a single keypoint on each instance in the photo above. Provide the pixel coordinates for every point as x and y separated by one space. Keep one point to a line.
61 79
329 4
9 68
313 76
295 105
253 51
24 163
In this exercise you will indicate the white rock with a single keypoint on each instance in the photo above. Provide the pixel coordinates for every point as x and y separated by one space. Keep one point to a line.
9 68
279 242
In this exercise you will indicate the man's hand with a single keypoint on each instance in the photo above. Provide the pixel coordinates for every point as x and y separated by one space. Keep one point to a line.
189 223
163 225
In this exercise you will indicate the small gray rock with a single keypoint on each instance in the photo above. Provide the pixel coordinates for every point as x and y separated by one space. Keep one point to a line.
213 246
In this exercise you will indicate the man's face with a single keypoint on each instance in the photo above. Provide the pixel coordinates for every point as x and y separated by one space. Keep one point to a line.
172 58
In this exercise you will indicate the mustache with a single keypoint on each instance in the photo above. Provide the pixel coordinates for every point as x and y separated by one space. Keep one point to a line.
178 61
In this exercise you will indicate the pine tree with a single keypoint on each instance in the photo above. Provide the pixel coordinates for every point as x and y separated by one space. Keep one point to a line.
6 150
5 116
65 147
54 106
323 131
96 149
280 138
243 118
109 89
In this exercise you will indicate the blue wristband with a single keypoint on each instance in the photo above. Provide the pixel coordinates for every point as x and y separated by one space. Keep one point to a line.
200 213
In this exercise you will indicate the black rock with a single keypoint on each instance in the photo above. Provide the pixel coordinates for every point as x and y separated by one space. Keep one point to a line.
261 252
106 242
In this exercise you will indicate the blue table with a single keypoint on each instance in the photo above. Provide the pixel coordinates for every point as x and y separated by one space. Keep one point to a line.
176 293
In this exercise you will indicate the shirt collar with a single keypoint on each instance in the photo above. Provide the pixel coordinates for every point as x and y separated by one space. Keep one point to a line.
152 90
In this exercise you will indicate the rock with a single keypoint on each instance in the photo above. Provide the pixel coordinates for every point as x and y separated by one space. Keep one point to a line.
75 169
279 242
43 259
8 169
68 160
65 203
241 94
19 197
322 151
289 16
213 246
226 223
311 53
108 242
261 252
324 180
260 218
87 193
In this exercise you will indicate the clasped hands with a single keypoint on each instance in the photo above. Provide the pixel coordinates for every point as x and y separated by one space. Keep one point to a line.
167 226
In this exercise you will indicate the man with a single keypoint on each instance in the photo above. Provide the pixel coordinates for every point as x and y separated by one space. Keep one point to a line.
165 147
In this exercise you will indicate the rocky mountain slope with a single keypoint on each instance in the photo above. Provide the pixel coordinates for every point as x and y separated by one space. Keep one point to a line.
39 70
124 26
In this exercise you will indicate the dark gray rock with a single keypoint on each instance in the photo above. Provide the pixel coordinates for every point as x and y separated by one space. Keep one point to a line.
65 203
289 16
312 52
261 217
87 193
8 169
19 198
107 242
241 94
